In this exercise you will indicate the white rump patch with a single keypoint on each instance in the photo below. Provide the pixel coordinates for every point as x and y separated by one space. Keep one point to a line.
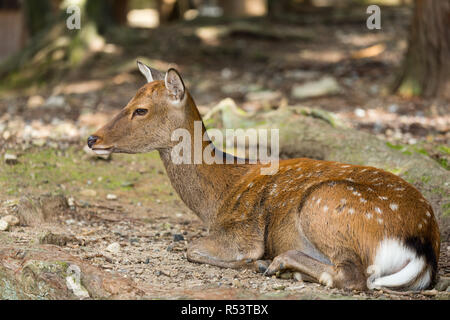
396 266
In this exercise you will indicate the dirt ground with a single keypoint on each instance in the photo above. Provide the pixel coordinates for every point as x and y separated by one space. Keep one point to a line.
128 199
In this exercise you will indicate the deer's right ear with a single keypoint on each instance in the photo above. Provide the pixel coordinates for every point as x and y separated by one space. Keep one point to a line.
149 73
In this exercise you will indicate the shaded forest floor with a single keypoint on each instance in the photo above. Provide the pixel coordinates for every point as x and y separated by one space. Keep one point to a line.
128 199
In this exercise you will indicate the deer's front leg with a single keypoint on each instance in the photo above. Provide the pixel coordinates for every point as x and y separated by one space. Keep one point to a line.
226 251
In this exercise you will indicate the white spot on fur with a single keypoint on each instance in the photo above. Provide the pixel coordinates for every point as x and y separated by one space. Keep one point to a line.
250 185
420 226
428 214
382 198
380 221
350 188
343 201
399 189
369 215
378 210
393 206
396 266
362 200
351 211
346 166
325 208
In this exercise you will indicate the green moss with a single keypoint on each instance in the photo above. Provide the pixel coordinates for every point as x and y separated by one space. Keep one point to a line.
393 146
51 170
396 171
425 179
444 149
446 210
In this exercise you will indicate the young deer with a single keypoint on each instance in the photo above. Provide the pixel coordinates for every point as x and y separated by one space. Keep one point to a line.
341 225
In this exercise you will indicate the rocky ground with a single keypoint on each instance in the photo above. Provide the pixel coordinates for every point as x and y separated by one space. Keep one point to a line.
119 219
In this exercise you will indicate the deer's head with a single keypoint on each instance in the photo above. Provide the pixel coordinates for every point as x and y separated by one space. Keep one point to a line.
149 119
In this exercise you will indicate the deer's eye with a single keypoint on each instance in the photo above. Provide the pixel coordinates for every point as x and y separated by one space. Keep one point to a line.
140 112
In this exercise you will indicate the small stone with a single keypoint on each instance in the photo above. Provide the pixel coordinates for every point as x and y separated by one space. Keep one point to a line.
4 226
35 101
39 142
139 271
71 202
169 248
443 284
10 159
55 239
279 287
236 283
298 276
111 197
432 292
360 113
286 275
178 237
6 135
147 261
11 220
325 86
113 247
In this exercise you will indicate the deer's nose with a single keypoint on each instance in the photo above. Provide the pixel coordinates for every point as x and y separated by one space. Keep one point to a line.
91 141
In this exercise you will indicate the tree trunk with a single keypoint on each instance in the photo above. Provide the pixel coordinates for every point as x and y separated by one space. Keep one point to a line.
426 66
37 15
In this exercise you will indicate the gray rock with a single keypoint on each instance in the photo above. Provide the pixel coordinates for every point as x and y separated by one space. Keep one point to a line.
4 226
11 220
322 87
10 159
178 237
113 247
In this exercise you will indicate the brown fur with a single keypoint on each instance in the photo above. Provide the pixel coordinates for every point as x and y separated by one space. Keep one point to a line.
314 216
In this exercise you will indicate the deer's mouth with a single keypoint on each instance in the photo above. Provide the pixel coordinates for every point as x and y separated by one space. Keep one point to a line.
102 151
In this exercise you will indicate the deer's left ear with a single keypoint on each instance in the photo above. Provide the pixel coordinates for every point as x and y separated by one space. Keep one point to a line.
149 73
175 85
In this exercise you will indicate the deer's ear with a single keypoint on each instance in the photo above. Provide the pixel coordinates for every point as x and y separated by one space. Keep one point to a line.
149 73
175 85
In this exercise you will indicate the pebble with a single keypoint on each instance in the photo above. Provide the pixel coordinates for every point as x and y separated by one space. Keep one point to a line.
11 220
4 226
71 202
298 276
178 237
10 159
430 292
236 283
113 247
111 197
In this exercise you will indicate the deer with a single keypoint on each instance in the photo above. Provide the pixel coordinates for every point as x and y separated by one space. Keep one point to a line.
341 225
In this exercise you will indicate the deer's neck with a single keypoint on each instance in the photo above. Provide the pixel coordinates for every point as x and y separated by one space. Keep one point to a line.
201 186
